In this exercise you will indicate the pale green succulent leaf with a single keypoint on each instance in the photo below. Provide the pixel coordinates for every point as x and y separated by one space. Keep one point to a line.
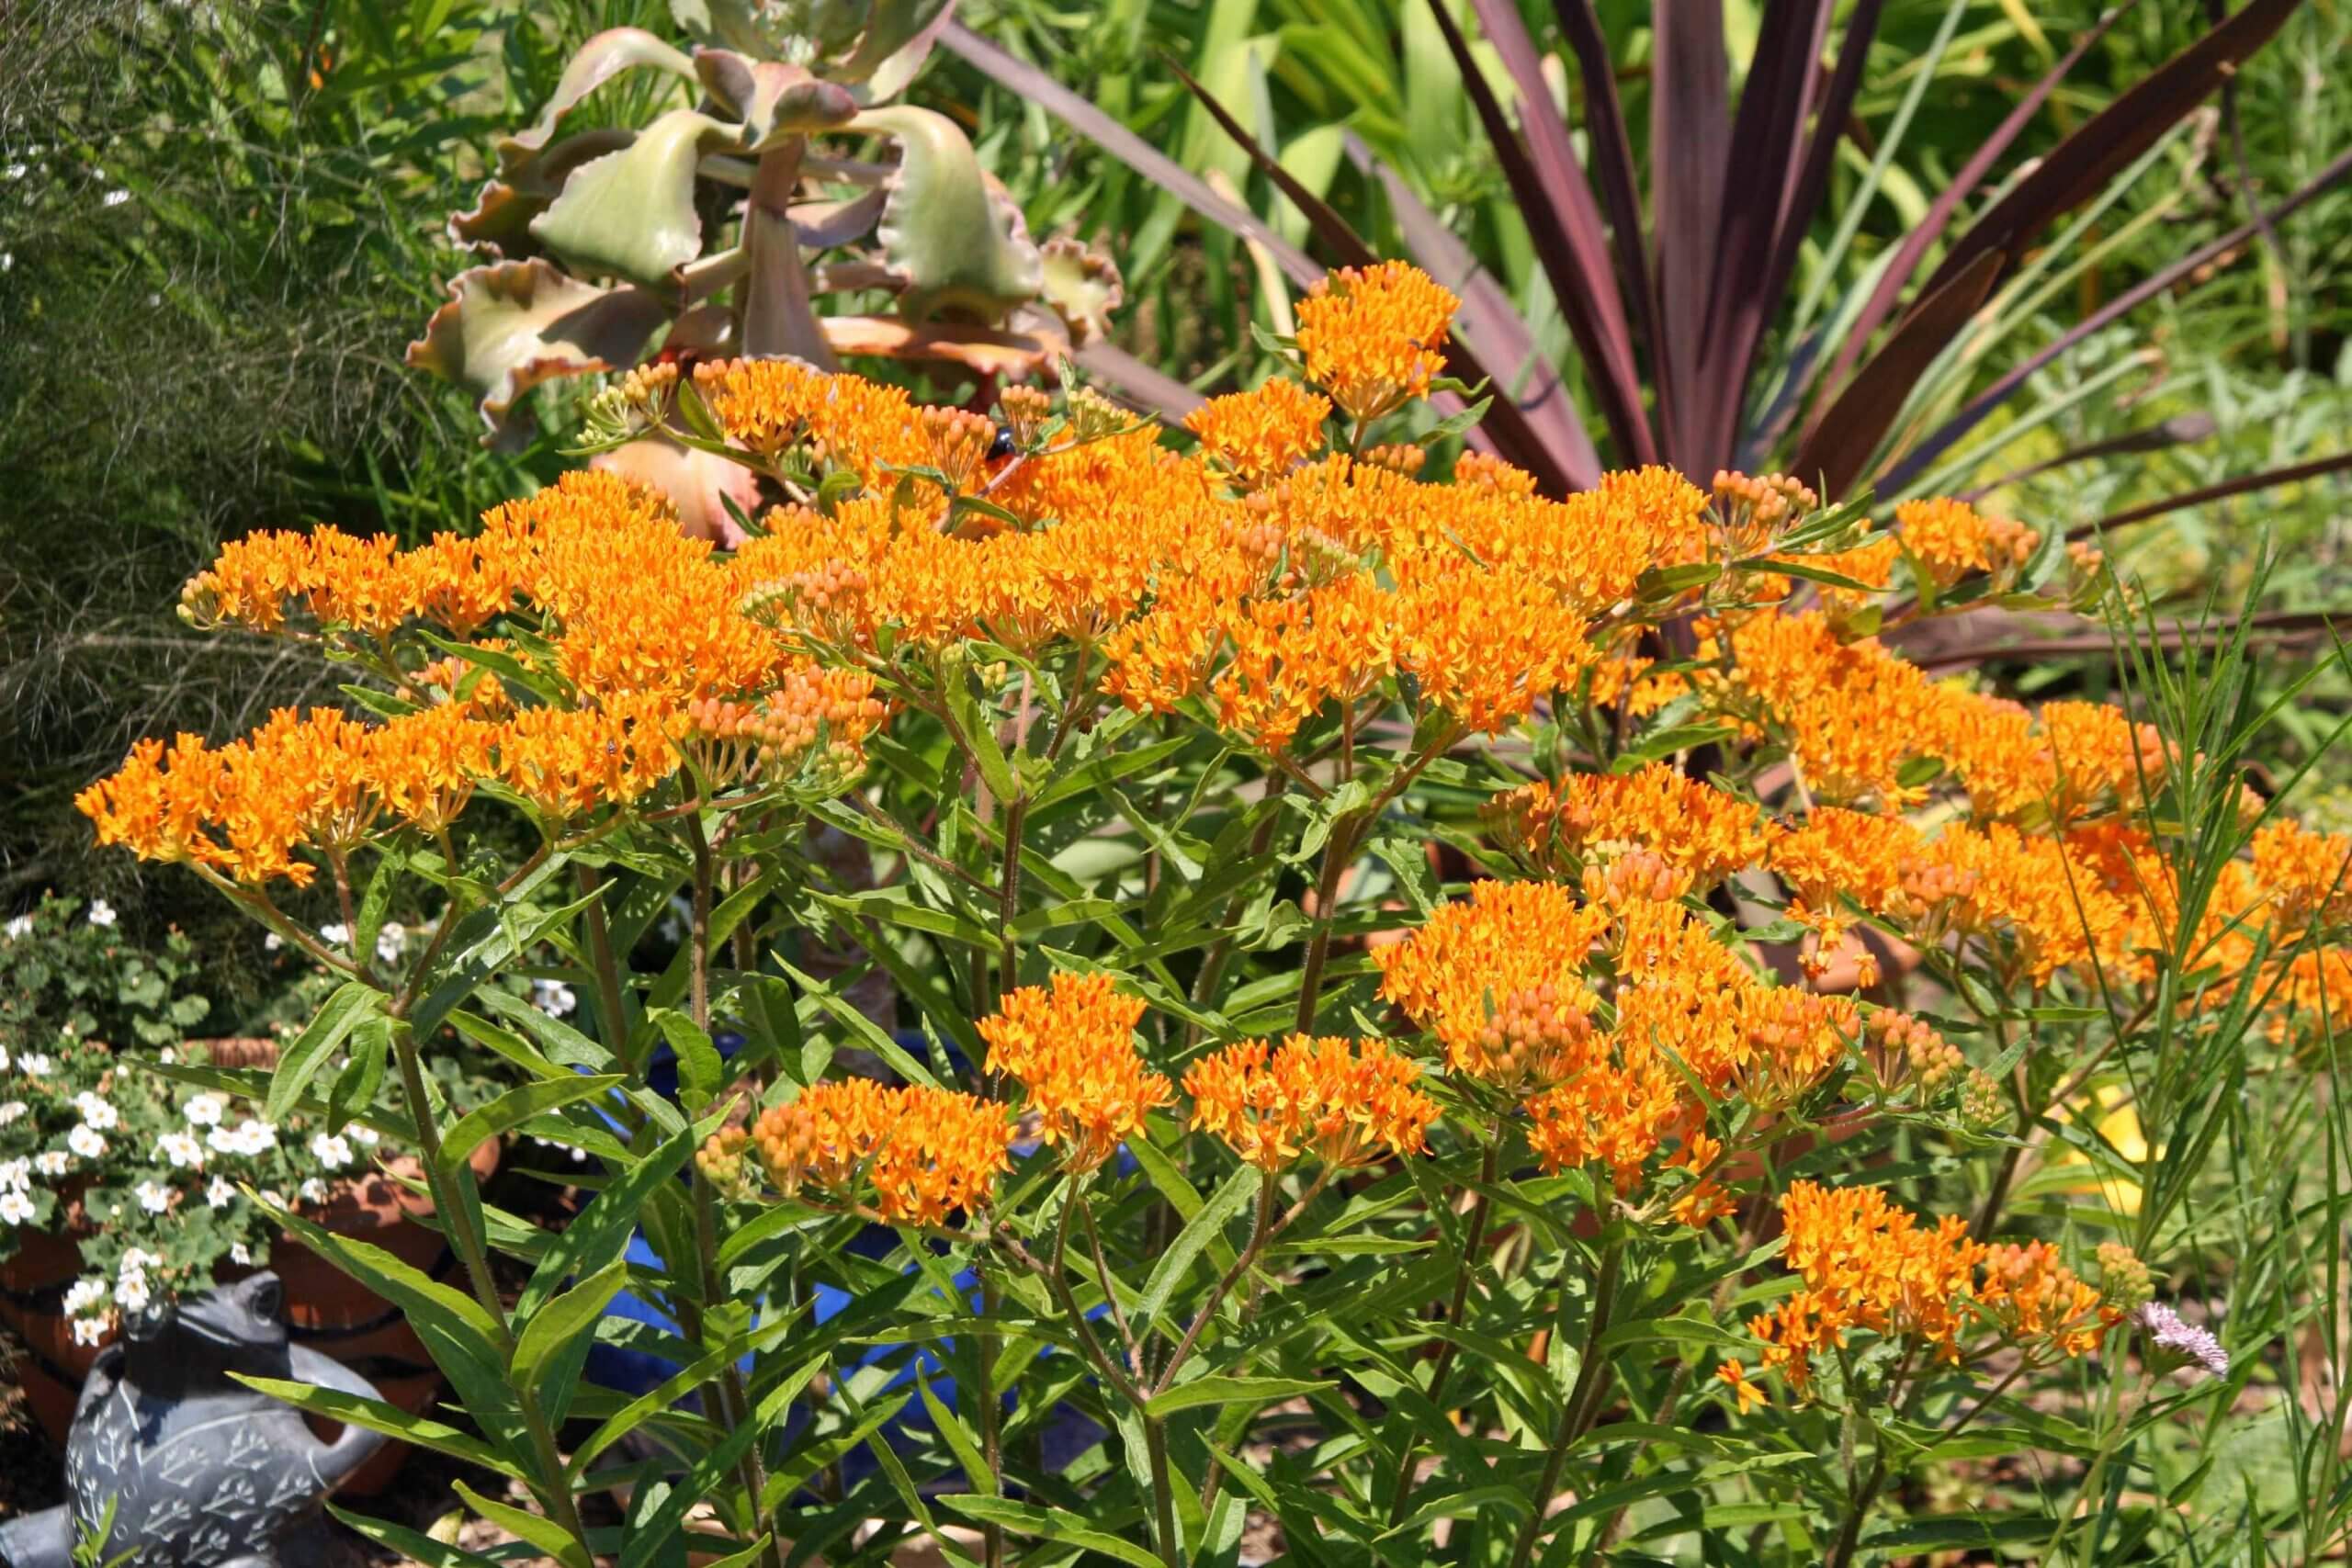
508 327
775 101
630 214
1083 286
951 235
897 39
599 60
500 219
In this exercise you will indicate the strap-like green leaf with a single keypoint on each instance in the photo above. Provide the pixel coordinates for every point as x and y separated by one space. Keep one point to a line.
353 1002
376 1416
1214 1389
513 1108
1049 1524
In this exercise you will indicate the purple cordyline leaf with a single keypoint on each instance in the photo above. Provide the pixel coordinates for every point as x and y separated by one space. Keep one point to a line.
1512 435
2180 430
1040 88
1835 450
1689 129
1758 179
1611 155
2080 165
1813 179
1526 379
1555 157
1916 461
1579 266
1138 383
1930 228
2244 483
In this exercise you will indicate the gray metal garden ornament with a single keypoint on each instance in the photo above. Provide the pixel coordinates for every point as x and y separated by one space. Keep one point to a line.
202 1471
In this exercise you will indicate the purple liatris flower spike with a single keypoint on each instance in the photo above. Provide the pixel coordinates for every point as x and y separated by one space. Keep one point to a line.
2170 1334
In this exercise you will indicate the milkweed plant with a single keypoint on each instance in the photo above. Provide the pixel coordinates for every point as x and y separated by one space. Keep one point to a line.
1428 1023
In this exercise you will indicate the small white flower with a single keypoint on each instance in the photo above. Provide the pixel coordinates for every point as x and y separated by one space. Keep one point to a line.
84 1294
83 1141
155 1197
102 912
183 1150
3 1058
7 261
15 171
97 1110
16 1173
360 1134
53 1162
204 1111
137 1260
333 1152
271 942
132 1291
312 1190
21 926
11 1112
274 1198
167 1055
391 940
217 1196
34 1065
115 197
15 1208
337 935
553 996
239 1256
89 1330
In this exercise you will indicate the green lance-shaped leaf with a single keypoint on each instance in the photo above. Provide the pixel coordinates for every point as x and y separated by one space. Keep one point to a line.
630 214
599 60
352 1004
512 325
957 244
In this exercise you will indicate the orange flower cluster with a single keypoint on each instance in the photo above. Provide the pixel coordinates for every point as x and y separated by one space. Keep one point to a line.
1375 336
1259 434
1499 980
1592 819
1866 1263
2035 1300
1072 1047
779 410
2307 875
1948 539
1341 1102
921 1153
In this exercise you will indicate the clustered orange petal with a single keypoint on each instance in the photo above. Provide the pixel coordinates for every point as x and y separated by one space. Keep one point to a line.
1071 1046
1259 434
1341 1102
920 1153
1591 821
1375 336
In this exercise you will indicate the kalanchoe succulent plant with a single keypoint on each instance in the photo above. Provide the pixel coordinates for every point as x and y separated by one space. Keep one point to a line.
714 227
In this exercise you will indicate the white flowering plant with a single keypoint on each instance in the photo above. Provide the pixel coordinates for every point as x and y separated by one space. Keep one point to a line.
65 964
154 1182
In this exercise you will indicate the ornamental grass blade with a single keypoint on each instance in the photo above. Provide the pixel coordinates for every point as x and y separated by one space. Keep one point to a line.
1928 230
1040 88
2244 484
1915 462
1836 449
1559 450
2084 162
1565 227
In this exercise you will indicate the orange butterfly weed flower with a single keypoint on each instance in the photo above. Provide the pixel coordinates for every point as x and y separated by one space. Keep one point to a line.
1260 433
1866 1263
922 1152
1950 539
568 762
1703 833
1374 336
2038 1303
1733 1375
777 409
1499 980
2307 876
1341 1102
1071 1046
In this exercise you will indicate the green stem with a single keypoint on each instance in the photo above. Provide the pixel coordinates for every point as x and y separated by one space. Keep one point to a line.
1400 1491
1163 1493
611 1010
1337 855
1576 1416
